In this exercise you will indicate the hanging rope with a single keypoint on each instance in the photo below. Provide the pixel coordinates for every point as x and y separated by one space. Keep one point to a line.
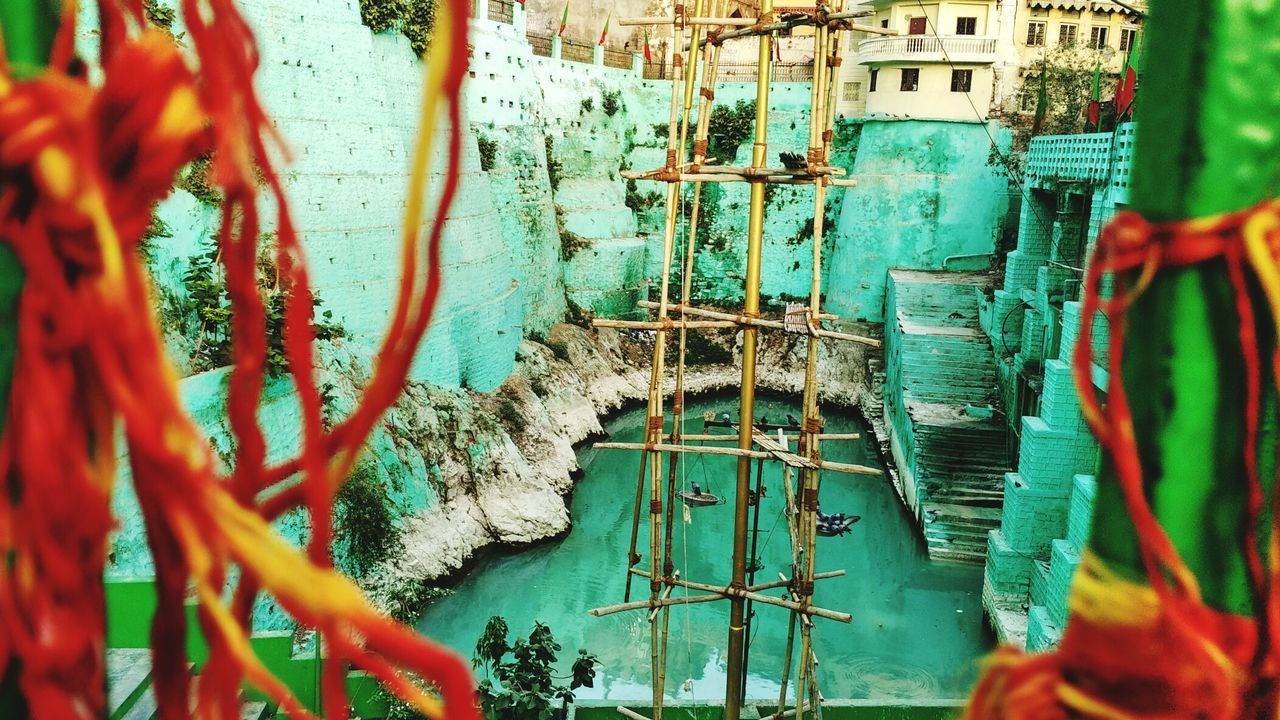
80 168
1156 650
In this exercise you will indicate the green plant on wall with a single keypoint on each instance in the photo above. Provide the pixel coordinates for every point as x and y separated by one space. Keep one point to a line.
571 243
730 127
611 102
586 106
365 529
488 152
381 15
158 14
553 165
519 681
196 181
206 312
156 230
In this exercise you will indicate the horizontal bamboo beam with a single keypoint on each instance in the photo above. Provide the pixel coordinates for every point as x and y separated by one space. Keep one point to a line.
653 325
734 438
690 449
694 599
850 469
766 599
632 715
734 172
666 595
758 322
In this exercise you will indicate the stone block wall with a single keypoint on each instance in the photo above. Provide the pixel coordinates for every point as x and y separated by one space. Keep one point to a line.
1049 500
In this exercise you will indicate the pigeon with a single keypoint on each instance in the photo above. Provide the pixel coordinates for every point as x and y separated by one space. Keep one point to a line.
725 417
792 419
764 420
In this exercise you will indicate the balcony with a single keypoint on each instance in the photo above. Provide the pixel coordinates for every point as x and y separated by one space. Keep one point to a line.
927 48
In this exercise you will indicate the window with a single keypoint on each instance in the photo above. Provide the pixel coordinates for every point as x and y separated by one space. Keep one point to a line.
1067 34
852 90
917 25
885 23
1128 38
1035 34
1098 37
875 75
910 79
967 26
961 81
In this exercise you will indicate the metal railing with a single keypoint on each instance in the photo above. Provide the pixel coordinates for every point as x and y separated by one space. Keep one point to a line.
502 11
928 48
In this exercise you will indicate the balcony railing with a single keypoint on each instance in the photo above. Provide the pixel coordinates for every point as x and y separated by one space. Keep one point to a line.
928 48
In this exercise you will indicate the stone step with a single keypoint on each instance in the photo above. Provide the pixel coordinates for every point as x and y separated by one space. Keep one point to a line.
128 678
254 711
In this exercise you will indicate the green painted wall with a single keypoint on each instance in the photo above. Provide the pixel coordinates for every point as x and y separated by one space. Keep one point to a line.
926 192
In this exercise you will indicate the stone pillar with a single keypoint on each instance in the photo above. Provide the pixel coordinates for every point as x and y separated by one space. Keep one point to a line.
555 47
637 64
519 19
597 55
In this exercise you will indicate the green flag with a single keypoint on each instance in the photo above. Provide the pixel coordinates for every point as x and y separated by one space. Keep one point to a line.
1095 101
1042 100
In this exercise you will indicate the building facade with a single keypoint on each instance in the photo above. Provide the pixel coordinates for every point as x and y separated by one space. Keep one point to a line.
970 59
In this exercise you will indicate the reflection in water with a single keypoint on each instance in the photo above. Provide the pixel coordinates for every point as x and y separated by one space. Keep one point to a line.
917 629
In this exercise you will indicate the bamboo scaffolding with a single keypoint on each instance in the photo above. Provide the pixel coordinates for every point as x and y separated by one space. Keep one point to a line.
681 317
748 320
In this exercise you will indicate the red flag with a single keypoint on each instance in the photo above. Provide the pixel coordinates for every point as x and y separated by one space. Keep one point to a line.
648 57
1125 91
522 3
777 49
564 20
604 33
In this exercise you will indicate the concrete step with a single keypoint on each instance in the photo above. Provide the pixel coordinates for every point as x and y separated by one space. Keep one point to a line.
128 678
254 711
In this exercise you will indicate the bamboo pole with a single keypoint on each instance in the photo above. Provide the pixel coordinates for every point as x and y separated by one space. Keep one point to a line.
649 325
693 599
740 594
730 438
749 321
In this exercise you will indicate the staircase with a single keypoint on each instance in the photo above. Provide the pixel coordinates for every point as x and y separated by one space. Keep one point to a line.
943 407
131 697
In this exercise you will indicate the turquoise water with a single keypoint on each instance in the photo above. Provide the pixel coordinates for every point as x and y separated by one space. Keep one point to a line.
917 626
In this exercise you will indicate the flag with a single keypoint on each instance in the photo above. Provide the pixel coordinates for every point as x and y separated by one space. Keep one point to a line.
605 32
1126 88
1095 103
521 3
648 57
564 20
1042 101
777 49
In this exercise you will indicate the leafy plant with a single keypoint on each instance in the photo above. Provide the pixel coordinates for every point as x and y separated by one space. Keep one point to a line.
571 243
207 307
611 102
509 412
1068 78
730 127
365 521
488 152
156 230
196 181
553 165
586 106
419 20
519 683
161 16
381 15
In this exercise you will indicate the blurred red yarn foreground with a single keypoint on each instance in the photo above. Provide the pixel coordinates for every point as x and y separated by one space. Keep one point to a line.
80 167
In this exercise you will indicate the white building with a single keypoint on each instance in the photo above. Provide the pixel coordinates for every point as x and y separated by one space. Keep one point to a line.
967 59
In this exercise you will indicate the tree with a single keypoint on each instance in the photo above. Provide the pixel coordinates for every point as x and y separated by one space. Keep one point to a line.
523 687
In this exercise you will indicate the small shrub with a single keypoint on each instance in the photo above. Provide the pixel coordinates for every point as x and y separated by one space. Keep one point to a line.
402 597
523 687
730 127
161 16
382 15
488 152
571 243
559 348
156 230
539 386
611 102
196 181
365 521
553 165
509 413
586 106
660 131
419 21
